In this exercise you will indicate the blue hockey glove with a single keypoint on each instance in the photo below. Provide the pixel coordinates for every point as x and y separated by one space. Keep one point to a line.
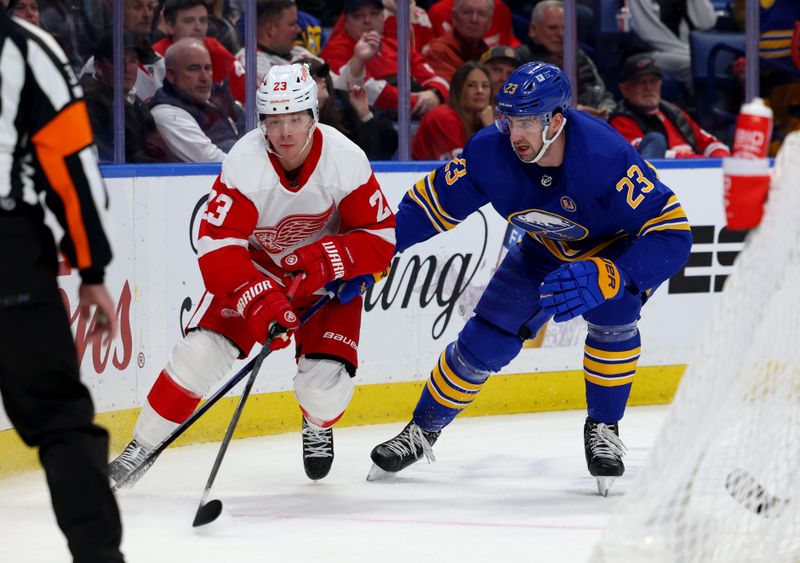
348 290
577 287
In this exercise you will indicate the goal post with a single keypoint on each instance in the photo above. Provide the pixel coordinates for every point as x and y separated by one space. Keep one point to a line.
722 481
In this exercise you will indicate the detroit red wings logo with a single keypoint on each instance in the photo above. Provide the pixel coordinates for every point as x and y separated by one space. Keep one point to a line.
291 230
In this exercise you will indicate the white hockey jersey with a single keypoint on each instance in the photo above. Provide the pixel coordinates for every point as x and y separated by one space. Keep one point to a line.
255 215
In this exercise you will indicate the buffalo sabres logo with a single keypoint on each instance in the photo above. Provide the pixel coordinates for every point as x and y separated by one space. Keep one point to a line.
547 180
549 225
568 204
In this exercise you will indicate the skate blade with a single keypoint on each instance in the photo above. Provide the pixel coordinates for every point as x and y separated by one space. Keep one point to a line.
378 474
604 485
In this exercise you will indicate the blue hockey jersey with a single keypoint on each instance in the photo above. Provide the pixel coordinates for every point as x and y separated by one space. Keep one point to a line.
604 191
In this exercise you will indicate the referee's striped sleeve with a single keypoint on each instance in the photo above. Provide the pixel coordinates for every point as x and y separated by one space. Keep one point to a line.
61 135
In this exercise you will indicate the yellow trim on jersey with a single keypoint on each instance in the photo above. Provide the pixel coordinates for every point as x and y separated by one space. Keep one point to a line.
448 389
775 43
432 187
671 215
443 400
776 54
560 250
604 382
596 353
419 188
778 33
609 369
655 170
451 375
416 200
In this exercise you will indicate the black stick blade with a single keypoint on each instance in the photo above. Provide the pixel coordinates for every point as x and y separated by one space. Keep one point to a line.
748 492
207 513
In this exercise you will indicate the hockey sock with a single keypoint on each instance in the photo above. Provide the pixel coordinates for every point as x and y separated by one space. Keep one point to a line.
609 364
452 386
170 400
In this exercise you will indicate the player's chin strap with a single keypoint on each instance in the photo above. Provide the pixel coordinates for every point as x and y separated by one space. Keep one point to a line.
545 142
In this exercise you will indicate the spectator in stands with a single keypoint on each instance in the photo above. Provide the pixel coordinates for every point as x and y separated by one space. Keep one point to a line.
221 28
546 43
500 32
65 20
138 19
276 31
199 121
143 142
660 24
421 26
361 48
349 112
444 131
658 129
27 10
500 61
471 20
189 18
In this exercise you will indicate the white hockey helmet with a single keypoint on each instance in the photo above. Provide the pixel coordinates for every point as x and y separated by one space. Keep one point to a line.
288 89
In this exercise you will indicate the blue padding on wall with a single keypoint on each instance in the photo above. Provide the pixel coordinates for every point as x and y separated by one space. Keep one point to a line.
212 168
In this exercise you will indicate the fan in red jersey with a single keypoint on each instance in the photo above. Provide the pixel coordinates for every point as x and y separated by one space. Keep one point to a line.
294 197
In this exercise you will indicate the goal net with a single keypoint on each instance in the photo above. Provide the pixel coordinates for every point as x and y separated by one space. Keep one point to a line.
722 482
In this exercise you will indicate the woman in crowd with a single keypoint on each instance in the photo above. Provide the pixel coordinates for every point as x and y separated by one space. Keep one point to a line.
445 129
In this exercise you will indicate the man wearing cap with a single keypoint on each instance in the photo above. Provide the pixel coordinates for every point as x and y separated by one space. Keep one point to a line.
143 142
471 20
361 45
658 129
500 61
546 43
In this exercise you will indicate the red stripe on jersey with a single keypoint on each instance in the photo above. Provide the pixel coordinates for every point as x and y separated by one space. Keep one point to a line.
170 400
305 170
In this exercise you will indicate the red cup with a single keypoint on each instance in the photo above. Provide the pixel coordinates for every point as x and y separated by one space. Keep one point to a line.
746 190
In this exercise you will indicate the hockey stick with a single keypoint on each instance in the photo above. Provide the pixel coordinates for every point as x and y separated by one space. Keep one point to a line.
211 401
207 512
747 491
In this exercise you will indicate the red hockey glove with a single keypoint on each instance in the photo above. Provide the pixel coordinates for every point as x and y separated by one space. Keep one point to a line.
323 261
262 303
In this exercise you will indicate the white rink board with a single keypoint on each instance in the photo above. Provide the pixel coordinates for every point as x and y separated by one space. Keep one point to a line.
155 276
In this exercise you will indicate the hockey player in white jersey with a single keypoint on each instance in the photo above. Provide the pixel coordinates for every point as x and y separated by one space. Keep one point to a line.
293 196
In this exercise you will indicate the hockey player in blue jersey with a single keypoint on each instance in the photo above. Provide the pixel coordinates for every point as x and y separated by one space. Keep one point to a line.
603 233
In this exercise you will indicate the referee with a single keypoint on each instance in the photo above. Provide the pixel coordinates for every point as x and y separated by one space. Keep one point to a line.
46 153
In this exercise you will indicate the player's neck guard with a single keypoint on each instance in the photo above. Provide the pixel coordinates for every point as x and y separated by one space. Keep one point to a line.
545 143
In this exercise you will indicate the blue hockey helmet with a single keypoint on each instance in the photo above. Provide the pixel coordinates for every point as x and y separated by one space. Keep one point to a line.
536 89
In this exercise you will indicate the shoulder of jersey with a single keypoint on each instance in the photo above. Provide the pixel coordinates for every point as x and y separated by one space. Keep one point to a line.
247 161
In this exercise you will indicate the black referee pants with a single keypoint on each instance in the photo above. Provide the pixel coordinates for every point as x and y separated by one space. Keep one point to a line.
52 410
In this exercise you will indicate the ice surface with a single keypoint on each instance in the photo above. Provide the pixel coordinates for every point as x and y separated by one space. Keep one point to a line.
503 488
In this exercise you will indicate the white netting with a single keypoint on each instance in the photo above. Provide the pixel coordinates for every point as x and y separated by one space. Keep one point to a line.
722 483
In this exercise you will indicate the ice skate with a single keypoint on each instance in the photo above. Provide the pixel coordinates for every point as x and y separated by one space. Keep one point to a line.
604 451
401 451
317 451
127 463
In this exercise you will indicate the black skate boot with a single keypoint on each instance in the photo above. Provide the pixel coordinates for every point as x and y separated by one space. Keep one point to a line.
604 451
401 451
317 451
129 462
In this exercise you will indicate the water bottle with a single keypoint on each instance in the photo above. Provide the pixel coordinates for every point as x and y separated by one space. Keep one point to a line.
746 172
